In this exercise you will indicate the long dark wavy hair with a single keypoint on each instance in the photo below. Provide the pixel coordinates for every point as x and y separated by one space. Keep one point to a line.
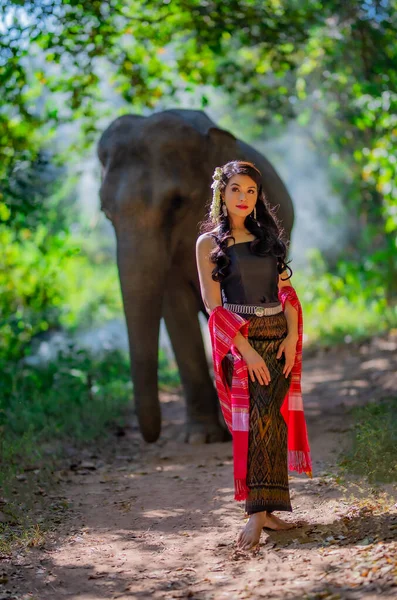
267 228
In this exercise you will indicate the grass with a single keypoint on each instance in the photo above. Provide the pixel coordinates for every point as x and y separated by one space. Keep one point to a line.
345 322
343 306
30 536
374 442
74 396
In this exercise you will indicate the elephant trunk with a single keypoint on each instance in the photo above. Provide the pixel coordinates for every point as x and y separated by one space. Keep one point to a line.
143 264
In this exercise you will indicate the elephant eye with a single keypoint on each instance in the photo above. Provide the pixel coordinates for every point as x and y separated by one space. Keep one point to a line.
177 202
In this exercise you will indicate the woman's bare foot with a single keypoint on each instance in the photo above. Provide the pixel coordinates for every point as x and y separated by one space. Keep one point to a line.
276 523
250 535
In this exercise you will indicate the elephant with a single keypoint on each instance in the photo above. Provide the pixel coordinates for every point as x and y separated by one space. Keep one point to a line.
155 189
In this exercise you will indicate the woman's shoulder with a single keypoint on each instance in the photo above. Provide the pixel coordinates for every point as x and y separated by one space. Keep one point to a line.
206 241
208 235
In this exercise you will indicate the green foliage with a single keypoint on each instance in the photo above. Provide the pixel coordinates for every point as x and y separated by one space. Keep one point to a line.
345 304
374 440
49 282
32 285
330 64
91 293
43 265
347 82
38 192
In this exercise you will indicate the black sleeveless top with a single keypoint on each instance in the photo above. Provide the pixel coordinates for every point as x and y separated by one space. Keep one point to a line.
251 279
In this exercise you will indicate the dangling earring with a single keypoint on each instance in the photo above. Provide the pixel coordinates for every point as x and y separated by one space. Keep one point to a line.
255 212
224 209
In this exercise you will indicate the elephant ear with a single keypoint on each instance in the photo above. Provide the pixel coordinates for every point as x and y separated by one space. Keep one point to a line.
222 145
220 136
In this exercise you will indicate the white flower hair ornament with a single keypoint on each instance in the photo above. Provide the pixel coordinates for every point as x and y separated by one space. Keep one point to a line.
216 195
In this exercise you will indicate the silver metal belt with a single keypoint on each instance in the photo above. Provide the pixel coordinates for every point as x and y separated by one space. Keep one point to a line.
252 309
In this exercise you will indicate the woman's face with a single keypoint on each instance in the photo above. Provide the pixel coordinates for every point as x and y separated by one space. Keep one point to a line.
240 195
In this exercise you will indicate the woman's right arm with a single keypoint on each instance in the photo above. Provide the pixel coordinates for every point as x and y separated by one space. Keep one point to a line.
210 289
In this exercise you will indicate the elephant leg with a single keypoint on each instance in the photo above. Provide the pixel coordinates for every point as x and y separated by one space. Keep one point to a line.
180 311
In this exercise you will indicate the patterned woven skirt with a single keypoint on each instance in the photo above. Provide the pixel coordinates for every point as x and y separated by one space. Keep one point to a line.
267 473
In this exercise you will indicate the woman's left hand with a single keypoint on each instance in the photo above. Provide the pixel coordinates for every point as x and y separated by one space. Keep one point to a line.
288 346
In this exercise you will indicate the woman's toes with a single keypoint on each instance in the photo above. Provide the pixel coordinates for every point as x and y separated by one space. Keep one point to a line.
243 543
248 538
251 544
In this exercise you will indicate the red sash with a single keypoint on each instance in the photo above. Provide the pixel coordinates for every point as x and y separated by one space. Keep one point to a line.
234 401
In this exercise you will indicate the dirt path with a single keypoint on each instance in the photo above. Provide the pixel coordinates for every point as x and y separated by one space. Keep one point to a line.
159 521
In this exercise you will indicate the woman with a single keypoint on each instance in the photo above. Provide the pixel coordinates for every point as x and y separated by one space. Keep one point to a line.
256 340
